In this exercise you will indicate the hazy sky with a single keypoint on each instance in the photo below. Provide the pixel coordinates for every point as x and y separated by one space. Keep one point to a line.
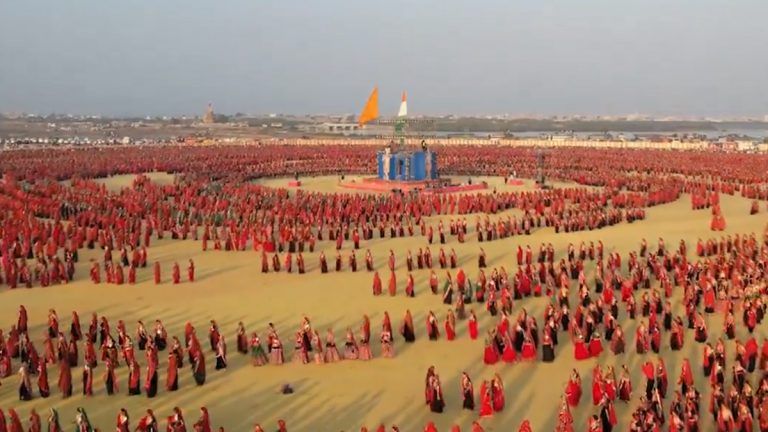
665 57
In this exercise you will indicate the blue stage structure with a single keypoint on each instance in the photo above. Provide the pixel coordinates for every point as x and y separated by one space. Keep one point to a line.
406 165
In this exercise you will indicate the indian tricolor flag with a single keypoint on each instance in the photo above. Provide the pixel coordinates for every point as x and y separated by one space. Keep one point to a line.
403 111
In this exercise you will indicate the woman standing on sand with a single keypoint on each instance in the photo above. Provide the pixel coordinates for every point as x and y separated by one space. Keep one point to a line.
350 346
198 367
365 339
123 421
323 263
110 379
258 356
276 350
53 421
203 424
300 354
407 329
433 332
387 351
81 421
468 392
148 423
242 339
317 344
221 354
65 378
331 352
134 378
176 422
150 385
172 376
25 384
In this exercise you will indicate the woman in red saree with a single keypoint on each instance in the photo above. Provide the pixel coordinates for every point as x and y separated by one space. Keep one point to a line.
191 271
376 284
122 423
497 390
595 345
486 400
87 381
509 355
580 351
148 423
53 421
34 422
467 392
472 325
157 273
428 384
597 386
242 339
409 286
198 367
176 273
110 378
65 378
172 377
14 424
176 422
625 384
42 380
450 326
392 283
150 383
490 355
433 331
203 424
528 351
134 378
573 389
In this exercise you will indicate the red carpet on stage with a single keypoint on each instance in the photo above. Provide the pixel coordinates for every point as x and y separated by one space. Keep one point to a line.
294 183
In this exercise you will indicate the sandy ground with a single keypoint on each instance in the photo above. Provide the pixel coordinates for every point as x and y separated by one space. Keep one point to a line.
332 184
344 396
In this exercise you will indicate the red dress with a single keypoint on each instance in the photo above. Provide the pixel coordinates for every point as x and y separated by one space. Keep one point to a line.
529 351
509 355
450 333
498 401
176 274
573 393
472 329
580 350
597 392
595 347
491 356
486 408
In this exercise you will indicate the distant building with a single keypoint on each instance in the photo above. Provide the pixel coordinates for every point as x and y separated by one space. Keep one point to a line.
343 128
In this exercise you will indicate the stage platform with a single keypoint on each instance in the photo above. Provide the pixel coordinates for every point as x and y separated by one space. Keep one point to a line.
378 185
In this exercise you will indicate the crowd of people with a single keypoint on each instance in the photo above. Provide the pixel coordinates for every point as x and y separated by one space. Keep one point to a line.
46 224
148 422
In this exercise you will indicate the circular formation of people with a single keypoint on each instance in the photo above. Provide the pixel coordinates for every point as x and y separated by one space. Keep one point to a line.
507 299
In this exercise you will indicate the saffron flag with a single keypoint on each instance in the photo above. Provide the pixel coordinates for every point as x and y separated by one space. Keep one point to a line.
371 109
